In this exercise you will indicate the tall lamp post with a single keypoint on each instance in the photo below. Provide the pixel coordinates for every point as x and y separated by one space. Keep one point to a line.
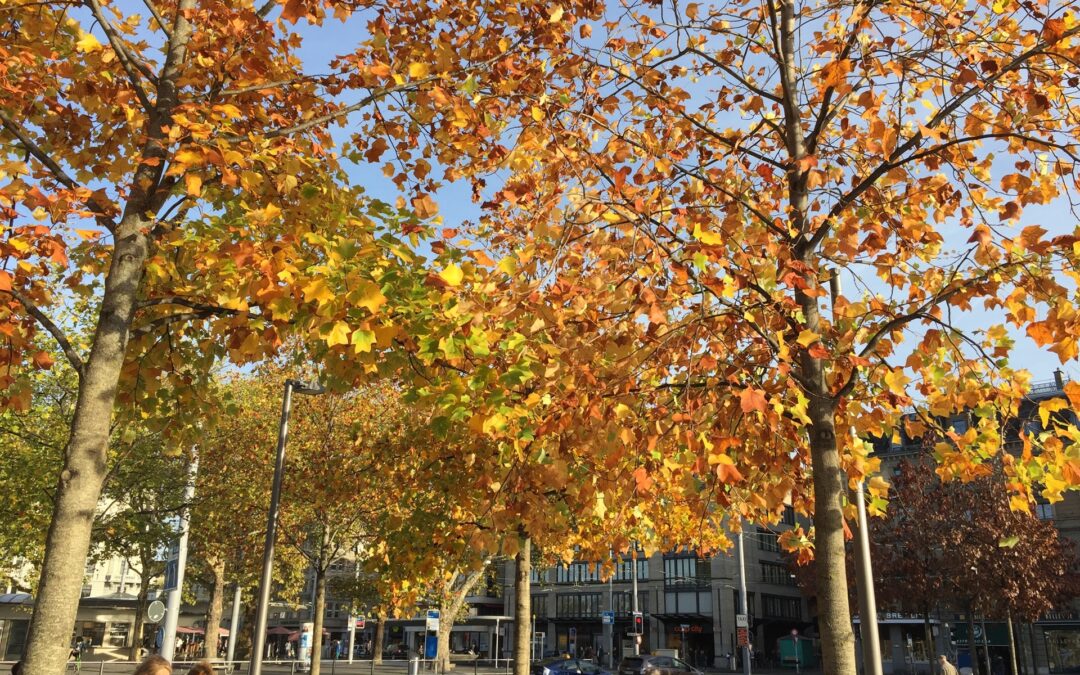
258 639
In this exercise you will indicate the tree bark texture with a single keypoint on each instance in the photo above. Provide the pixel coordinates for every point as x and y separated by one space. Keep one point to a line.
214 610
449 609
320 611
522 606
380 638
135 653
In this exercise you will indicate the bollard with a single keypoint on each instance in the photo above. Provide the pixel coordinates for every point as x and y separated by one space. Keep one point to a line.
101 668
333 665
372 665
414 665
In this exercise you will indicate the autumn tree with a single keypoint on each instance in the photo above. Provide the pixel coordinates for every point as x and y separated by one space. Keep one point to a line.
171 175
720 164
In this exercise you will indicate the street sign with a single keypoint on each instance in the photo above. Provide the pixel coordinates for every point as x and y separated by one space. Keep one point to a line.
172 572
360 622
743 635
607 618
742 621
432 620
155 612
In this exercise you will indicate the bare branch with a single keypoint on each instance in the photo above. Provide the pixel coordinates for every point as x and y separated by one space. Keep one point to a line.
53 330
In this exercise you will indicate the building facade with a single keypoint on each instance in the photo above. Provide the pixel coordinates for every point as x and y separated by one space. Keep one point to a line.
689 603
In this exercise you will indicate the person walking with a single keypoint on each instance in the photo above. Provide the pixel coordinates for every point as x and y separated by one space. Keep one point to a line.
946 667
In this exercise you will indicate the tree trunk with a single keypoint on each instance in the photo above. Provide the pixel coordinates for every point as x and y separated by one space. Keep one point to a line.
975 667
320 611
244 641
522 606
85 461
380 638
85 457
931 648
214 611
135 653
449 609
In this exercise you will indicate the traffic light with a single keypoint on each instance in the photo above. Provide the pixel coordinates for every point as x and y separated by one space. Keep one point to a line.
639 624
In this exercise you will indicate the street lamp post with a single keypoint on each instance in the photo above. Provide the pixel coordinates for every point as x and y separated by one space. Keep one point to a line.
258 639
742 601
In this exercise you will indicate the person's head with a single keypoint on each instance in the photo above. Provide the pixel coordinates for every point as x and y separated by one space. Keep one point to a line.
941 657
17 668
202 668
154 665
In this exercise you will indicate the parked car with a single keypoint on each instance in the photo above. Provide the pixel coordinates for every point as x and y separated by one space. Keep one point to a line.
649 664
397 650
564 666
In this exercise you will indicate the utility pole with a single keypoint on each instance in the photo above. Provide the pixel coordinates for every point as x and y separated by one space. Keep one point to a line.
352 604
742 601
234 624
258 637
633 576
173 598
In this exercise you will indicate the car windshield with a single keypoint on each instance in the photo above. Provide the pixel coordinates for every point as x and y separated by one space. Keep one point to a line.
633 663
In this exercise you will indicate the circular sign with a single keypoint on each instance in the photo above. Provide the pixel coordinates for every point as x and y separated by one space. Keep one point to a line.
156 611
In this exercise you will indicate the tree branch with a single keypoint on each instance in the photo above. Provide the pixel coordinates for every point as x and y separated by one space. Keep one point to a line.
131 65
54 330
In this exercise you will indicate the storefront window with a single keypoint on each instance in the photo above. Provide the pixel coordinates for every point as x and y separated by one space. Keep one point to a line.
118 634
1063 650
915 643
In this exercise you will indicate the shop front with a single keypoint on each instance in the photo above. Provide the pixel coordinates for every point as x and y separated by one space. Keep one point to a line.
692 637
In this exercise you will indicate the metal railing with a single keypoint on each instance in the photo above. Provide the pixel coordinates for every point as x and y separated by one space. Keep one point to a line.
328 666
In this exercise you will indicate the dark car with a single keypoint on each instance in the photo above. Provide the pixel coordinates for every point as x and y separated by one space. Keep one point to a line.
648 664
396 651
564 666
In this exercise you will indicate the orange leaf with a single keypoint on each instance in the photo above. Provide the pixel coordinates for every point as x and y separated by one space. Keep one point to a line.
1072 390
727 473
43 360
641 477
752 399
5 281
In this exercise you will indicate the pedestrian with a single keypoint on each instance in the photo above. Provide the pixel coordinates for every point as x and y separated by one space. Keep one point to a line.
203 667
154 665
16 668
946 667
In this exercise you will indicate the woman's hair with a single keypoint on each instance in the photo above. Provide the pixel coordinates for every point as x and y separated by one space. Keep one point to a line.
154 665
203 667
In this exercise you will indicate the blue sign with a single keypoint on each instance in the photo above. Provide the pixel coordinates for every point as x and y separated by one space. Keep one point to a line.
573 633
172 571
607 618
305 639
433 614
431 646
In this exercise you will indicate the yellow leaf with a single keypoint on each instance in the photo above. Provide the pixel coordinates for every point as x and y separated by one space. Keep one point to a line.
88 234
194 184
88 43
1047 408
452 275
556 15
188 158
807 338
362 340
317 292
418 70
339 334
508 265
370 296
896 381
706 237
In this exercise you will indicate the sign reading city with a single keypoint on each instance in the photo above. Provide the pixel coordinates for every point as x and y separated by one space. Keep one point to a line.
432 620
607 618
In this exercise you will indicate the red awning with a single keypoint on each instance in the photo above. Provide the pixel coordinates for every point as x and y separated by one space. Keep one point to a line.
279 630
189 631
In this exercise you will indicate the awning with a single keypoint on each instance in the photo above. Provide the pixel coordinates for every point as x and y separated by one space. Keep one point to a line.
189 631
279 630
681 617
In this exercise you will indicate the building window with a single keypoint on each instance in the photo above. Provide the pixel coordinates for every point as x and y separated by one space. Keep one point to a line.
768 541
577 573
624 570
789 515
688 602
780 607
118 635
86 590
773 573
577 605
623 603
539 606
1062 650
686 571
